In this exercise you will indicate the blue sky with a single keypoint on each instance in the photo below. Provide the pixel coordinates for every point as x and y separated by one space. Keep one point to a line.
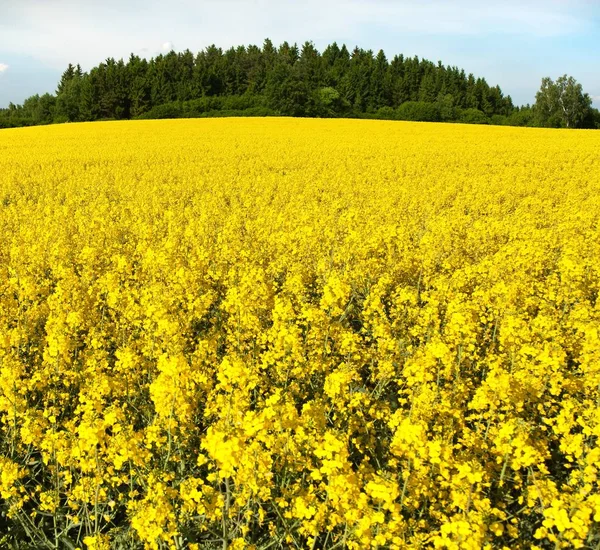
511 43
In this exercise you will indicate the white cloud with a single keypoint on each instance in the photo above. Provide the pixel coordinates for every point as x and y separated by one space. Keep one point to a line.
468 17
60 31
506 42
3 68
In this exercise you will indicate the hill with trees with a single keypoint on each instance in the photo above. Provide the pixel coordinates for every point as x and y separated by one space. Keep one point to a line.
291 81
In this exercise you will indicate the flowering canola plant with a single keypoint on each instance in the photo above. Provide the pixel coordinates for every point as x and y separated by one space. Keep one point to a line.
282 333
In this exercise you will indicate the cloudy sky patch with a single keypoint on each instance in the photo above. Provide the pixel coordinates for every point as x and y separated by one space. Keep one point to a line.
511 43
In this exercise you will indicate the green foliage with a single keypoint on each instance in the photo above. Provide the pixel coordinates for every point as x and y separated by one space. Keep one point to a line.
445 104
523 116
247 105
595 118
499 120
472 116
591 120
286 91
327 102
68 102
562 104
386 113
167 110
418 111
293 81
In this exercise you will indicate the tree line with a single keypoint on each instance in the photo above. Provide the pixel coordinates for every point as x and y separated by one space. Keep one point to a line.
293 81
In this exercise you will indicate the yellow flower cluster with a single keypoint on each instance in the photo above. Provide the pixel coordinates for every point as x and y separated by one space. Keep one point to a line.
281 333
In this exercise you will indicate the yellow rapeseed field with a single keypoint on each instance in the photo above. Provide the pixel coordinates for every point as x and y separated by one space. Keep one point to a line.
282 333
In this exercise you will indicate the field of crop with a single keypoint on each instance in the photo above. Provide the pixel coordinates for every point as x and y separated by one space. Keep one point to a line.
269 333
